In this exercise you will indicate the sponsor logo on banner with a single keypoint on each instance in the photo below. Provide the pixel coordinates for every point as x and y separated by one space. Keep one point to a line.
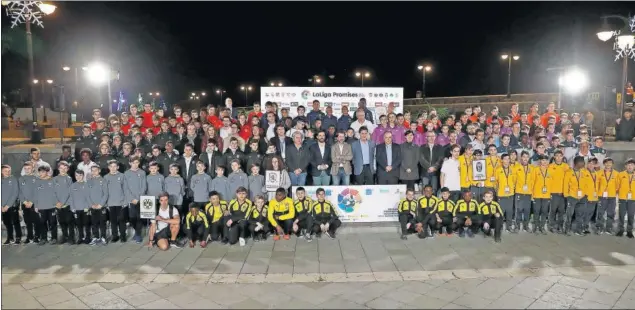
305 94
337 104
379 104
294 104
328 104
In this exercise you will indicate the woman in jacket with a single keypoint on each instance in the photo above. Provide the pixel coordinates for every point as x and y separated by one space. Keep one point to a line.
276 164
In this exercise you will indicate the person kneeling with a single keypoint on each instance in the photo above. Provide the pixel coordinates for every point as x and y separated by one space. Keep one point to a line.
258 222
196 226
326 220
466 215
443 213
407 208
491 216
281 214
165 227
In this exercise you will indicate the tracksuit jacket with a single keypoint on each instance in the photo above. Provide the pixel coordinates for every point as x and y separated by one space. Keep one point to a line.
79 199
97 191
175 187
10 191
134 184
155 184
63 188
115 185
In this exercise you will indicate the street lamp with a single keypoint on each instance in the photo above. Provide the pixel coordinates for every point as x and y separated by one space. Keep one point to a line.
220 92
28 12
274 83
68 68
203 94
362 75
246 89
424 69
624 46
509 71
574 81
97 74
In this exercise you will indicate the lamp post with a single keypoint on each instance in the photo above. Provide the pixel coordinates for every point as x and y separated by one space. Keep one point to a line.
362 75
624 46
98 74
509 58
274 83
76 69
246 89
220 92
28 12
424 69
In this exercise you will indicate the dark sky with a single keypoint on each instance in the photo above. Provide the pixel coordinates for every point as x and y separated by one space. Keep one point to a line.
179 47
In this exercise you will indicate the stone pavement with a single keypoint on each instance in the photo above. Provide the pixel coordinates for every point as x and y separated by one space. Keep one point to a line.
373 270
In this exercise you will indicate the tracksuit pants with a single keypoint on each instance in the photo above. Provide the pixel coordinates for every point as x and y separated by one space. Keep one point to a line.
558 211
118 219
577 207
11 220
305 223
541 209
82 222
460 223
606 206
495 223
134 214
216 229
32 221
446 221
507 204
523 209
266 227
404 220
589 211
333 225
237 230
98 218
48 221
627 208
66 218
196 232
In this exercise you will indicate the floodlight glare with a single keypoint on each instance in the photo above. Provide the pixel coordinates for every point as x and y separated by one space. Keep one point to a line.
98 74
574 81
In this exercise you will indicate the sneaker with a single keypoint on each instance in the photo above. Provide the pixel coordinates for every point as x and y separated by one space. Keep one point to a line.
629 235
123 239
175 244
114 239
241 241
7 242
285 237
103 241
586 232
578 233
462 233
53 241
404 237
330 235
17 242
308 237
138 239
608 232
95 241
203 244
42 242
620 233
87 240
27 241
470 233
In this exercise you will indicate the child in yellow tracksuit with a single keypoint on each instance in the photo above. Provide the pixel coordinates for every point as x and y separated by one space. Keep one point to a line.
626 185
524 174
465 166
593 197
541 194
505 181
558 207
607 188
492 163
577 185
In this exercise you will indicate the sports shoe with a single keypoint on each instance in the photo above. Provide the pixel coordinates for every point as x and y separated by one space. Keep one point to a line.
620 233
629 235
462 233
114 239
470 233
95 241
138 239
53 241
7 242
403 237
103 241
241 241
27 241
123 239
42 242
308 237
175 244
285 237
17 242
330 235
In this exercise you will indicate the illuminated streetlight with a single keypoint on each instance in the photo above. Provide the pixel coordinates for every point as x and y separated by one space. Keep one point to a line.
35 81
362 75
424 69
49 81
574 81
98 74
220 92
203 94
246 89
193 94
66 68
158 94
509 71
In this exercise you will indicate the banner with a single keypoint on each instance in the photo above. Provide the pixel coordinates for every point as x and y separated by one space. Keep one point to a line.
362 203
379 100
147 207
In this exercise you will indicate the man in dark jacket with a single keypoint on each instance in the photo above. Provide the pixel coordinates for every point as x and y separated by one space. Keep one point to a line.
320 157
430 160
625 128
388 156
297 160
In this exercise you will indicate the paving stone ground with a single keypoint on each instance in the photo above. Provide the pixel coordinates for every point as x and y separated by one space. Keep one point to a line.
371 270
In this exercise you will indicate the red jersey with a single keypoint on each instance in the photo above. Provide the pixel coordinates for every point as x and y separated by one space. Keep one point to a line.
252 114
93 125
179 120
245 132
474 118
544 119
515 117
214 121
125 128
489 120
147 119
156 130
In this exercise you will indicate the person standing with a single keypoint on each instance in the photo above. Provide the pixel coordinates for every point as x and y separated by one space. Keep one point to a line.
524 175
388 157
626 185
360 122
315 114
451 175
116 200
64 214
409 169
541 193
320 154
46 207
364 158
557 170
430 159
505 180
577 184
27 199
10 213
80 206
135 185
608 186
341 156
297 161
98 197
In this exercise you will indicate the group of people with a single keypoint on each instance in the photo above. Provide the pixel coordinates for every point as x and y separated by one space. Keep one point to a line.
206 169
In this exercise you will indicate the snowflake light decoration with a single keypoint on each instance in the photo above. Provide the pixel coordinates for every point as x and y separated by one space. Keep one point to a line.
628 52
21 11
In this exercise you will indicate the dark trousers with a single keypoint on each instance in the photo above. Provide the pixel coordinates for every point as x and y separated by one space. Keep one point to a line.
66 218
589 211
216 230
410 184
558 211
523 209
366 177
495 223
134 214
266 227
237 230
477 193
627 208
404 220
287 226
575 207
117 221
98 218
460 224
541 209
426 220
606 206
32 221
385 177
446 221
196 232
305 223
48 221
82 222
11 220
507 204
333 225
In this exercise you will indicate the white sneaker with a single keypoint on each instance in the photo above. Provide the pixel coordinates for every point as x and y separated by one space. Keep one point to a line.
241 241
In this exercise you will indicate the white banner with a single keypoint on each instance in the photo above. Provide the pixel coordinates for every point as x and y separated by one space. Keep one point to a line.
362 203
147 207
379 100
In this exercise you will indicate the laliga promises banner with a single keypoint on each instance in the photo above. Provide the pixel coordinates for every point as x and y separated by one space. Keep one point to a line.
363 203
379 100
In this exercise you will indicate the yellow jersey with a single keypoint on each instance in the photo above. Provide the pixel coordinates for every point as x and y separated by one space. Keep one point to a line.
465 166
607 183
488 209
578 183
594 194
626 185
191 219
215 213
492 163
542 179
505 181
407 206
557 172
280 211
524 179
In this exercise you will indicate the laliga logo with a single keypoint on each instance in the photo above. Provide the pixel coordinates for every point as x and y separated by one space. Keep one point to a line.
305 94
348 200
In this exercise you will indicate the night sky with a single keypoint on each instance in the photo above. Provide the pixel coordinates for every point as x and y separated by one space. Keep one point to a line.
177 48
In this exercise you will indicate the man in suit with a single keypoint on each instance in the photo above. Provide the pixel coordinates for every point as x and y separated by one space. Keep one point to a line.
229 105
409 170
320 154
364 158
388 157
281 141
341 155
212 157
430 160
187 168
